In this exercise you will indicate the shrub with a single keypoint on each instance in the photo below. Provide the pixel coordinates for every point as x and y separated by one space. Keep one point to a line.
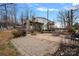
33 33
72 30
19 33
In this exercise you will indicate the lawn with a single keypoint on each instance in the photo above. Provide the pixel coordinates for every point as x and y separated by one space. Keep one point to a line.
6 47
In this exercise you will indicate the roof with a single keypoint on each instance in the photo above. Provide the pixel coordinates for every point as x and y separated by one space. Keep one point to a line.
44 18
36 22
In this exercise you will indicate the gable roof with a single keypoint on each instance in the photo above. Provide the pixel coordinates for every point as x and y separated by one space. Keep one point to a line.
44 18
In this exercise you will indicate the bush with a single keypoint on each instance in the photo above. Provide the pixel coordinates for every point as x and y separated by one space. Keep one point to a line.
72 30
33 33
19 33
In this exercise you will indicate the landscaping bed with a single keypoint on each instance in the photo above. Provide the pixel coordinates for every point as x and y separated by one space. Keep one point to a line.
65 50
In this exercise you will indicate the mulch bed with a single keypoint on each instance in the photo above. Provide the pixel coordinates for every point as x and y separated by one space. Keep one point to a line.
65 50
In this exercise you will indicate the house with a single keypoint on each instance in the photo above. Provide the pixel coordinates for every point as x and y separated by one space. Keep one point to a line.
47 24
39 24
36 26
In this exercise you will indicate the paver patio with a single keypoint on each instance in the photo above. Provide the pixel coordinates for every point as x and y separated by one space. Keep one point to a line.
41 44
37 45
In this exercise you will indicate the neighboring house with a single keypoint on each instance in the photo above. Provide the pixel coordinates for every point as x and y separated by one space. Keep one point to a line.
50 26
36 26
39 24
45 22
42 20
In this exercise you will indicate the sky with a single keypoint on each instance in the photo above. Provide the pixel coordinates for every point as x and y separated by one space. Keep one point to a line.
40 9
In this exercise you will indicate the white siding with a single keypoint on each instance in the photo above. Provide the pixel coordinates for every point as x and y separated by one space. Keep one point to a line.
42 20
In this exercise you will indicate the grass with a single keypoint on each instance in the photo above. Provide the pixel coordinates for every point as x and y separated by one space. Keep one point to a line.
6 47
8 50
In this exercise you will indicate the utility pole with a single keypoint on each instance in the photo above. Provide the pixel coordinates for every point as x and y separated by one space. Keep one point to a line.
6 20
47 19
15 15
27 22
71 17
47 14
30 12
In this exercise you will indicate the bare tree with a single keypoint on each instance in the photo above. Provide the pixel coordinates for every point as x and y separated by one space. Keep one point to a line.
67 17
62 16
8 13
22 19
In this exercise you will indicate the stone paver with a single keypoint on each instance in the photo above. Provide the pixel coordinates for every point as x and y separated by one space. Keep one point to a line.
39 45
